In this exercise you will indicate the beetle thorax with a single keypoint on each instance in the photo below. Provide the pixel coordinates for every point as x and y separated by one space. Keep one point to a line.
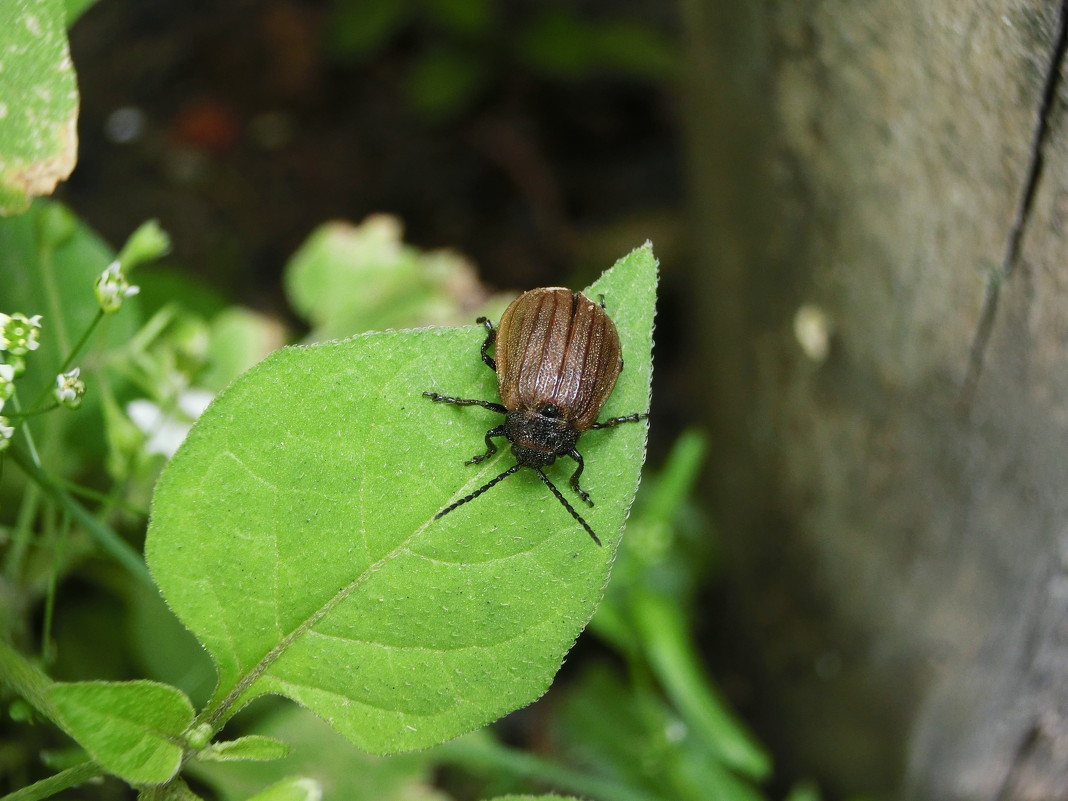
539 436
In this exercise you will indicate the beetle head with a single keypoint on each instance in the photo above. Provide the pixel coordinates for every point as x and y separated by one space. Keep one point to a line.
539 436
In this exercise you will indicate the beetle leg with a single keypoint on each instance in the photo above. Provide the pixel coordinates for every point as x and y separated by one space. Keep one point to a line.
574 454
491 448
615 421
491 337
493 407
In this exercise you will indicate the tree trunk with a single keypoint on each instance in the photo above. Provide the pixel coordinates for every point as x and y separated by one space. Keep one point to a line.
893 174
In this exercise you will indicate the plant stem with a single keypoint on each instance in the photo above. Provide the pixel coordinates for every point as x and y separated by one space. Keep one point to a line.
34 413
673 657
102 534
56 783
23 531
100 497
81 341
47 654
71 354
26 679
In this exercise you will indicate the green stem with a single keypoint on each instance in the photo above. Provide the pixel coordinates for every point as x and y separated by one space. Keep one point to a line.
81 341
23 533
47 653
104 536
67 361
71 777
26 679
34 413
100 497
481 754
673 657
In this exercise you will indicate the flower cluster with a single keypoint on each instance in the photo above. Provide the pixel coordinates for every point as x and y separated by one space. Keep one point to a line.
112 288
7 383
19 335
69 389
7 431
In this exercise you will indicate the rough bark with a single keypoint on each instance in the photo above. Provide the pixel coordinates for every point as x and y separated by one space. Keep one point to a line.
898 510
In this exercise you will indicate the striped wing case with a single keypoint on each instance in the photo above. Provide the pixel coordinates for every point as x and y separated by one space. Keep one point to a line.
557 346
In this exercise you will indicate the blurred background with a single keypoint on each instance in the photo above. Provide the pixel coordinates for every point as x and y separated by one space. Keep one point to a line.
859 210
541 140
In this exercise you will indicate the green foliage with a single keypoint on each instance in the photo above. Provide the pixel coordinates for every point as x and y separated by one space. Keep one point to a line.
293 531
561 43
304 575
319 754
291 789
356 31
252 748
133 729
443 79
293 534
669 732
346 279
38 102
466 45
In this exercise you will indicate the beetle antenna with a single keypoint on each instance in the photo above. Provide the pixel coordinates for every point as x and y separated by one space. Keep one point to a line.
568 506
488 485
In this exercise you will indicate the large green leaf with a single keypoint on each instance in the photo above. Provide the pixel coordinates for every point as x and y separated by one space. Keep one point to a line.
132 728
293 532
38 102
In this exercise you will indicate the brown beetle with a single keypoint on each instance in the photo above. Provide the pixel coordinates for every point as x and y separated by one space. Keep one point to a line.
557 361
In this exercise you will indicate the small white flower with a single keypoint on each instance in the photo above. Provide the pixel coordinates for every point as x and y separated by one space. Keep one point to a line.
7 383
19 334
165 431
6 433
69 389
112 288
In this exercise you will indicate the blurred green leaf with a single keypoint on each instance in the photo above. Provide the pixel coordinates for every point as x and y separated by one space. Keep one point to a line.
38 102
163 647
673 656
466 18
480 754
642 743
535 798
297 788
357 29
348 279
803 792
238 339
647 615
251 748
557 41
319 754
133 729
293 533
637 50
444 80
560 42
169 285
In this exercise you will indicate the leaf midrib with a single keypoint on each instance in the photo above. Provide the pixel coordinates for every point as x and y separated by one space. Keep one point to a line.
215 715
